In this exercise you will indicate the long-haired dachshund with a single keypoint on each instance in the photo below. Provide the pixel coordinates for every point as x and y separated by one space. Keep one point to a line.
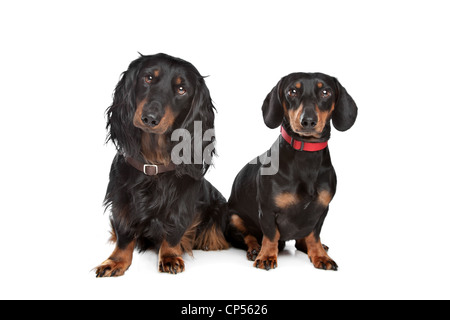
268 208
154 202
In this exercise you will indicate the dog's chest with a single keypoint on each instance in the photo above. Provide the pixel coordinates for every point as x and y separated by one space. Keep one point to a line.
297 214
154 198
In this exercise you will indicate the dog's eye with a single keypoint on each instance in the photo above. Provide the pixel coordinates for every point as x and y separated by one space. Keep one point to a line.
148 79
181 91
325 93
292 93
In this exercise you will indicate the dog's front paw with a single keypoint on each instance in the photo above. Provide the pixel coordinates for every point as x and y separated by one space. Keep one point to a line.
266 262
171 264
112 268
324 262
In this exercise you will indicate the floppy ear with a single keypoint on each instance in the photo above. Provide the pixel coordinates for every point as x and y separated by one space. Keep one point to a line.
202 108
198 121
345 111
121 131
272 109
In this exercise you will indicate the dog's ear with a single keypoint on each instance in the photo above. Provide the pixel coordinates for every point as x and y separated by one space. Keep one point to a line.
121 131
345 111
202 108
272 108
200 123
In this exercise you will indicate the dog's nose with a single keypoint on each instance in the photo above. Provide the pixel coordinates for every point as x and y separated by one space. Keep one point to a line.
309 123
151 120
152 113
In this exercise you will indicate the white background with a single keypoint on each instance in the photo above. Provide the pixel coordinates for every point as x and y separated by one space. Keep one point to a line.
388 227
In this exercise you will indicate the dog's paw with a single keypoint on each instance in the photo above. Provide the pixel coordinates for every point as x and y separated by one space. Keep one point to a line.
252 253
171 264
324 262
111 268
266 262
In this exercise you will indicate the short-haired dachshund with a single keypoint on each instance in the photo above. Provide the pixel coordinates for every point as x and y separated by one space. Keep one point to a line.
268 208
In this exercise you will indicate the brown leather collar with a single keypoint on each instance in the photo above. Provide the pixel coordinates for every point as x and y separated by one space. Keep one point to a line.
150 169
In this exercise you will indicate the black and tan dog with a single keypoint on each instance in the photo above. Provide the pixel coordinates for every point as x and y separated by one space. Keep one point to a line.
154 202
269 209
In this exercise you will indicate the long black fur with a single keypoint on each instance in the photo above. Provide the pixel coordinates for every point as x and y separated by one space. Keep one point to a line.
150 209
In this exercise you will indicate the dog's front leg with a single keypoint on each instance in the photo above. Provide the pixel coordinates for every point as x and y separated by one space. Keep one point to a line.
120 260
169 258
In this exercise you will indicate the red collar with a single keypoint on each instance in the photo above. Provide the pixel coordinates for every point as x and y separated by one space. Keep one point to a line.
302 146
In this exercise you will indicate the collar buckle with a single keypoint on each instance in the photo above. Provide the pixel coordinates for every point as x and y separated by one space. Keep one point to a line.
144 169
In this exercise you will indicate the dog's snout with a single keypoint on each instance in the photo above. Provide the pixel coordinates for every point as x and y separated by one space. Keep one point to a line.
152 114
308 119
309 123
151 120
